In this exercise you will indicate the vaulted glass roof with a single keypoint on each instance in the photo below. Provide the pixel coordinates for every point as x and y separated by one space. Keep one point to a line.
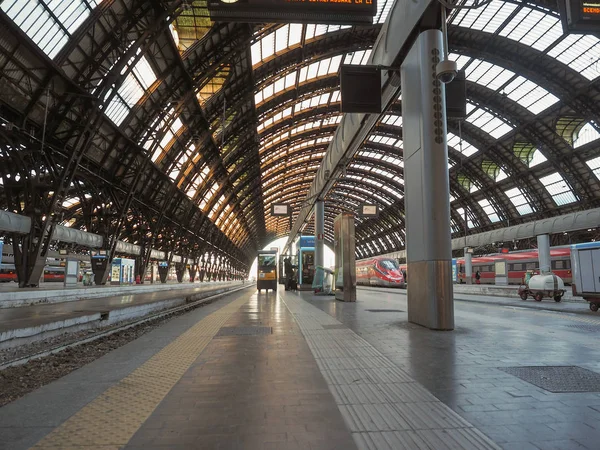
239 117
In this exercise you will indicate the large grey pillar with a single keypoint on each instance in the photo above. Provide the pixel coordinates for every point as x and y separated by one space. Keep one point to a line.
468 266
427 205
319 230
543 241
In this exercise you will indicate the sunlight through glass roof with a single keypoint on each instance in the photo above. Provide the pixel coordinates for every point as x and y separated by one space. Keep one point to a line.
50 23
558 188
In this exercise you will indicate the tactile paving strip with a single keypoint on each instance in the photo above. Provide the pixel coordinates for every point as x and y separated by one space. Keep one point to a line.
384 310
111 420
382 405
557 378
245 331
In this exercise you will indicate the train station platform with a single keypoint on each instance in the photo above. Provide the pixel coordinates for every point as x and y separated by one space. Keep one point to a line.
291 370
28 322
575 306
12 296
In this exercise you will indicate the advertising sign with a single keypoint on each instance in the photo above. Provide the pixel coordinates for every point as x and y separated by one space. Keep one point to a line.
454 271
115 275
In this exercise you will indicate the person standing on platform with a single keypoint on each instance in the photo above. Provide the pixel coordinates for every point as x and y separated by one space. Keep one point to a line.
477 277
288 272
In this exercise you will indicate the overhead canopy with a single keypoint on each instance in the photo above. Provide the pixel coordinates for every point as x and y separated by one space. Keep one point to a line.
193 129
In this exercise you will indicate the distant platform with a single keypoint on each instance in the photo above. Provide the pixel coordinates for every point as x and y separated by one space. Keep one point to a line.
11 295
26 322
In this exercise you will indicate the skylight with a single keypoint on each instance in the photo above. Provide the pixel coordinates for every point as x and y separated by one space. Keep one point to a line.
594 164
558 188
586 135
467 149
489 210
538 158
517 198
580 53
529 95
488 122
50 23
281 40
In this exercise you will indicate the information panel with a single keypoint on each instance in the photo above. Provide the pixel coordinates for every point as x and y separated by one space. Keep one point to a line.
343 12
579 15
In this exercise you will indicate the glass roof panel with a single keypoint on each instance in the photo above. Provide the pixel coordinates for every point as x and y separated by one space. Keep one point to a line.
467 149
489 123
383 9
488 18
540 30
391 119
487 74
528 94
518 199
586 135
461 213
357 58
580 53
489 210
558 188
538 158
50 23
594 164
534 28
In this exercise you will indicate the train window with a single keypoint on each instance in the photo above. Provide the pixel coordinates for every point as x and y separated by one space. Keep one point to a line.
530 266
389 264
558 264
518 266
511 267
568 264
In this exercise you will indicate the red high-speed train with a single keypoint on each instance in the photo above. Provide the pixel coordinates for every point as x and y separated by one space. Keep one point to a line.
51 273
379 271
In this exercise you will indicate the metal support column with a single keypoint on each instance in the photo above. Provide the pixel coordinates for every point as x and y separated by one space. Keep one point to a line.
468 266
543 242
319 239
427 205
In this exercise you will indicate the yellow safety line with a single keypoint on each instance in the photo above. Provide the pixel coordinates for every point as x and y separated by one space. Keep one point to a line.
112 418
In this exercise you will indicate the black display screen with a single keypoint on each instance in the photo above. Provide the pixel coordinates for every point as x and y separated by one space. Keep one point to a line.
580 16
590 10
345 12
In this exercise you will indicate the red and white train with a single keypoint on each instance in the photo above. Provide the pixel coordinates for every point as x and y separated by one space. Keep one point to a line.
515 264
379 271
51 273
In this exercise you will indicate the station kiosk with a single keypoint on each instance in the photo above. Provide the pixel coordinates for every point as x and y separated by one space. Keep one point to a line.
122 271
305 250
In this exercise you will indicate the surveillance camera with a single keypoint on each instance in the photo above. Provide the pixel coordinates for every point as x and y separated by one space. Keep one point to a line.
445 71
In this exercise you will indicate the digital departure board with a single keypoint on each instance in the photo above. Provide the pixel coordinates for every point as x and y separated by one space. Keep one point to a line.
342 12
580 15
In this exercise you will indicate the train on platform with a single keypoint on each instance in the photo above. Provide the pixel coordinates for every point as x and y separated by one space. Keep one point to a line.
515 265
266 270
379 271
51 273
385 271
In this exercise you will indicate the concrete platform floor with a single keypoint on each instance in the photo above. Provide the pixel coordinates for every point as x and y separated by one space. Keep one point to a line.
297 371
